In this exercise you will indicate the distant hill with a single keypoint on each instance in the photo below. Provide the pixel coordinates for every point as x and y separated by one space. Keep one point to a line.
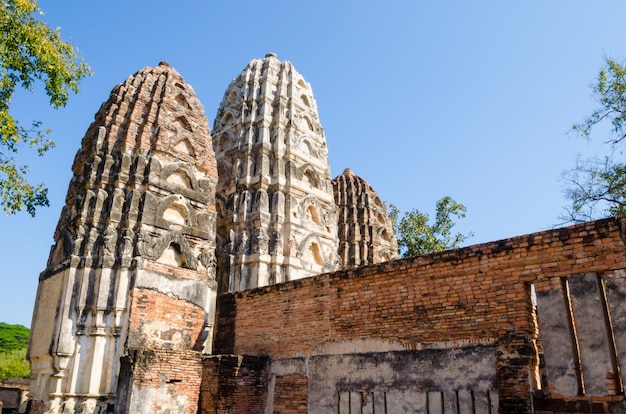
13 337
13 344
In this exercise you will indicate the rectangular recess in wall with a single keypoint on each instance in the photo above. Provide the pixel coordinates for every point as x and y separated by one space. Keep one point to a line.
558 339
535 376
615 293
574 337
591 326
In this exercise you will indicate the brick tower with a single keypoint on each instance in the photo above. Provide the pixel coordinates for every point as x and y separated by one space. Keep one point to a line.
276 213
365 231
127 299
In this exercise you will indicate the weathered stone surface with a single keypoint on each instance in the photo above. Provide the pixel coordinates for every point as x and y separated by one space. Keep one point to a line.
412 375
593 334
137 227
366 234
561 361
616 297
276 218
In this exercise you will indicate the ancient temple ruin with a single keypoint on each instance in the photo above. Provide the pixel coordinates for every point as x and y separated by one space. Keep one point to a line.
133 266
193 273
365 230
276 214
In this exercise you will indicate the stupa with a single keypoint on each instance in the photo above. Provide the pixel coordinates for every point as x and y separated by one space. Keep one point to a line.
131 276
366 234
276 212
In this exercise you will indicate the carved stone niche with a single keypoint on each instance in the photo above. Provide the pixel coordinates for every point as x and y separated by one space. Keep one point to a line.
170 248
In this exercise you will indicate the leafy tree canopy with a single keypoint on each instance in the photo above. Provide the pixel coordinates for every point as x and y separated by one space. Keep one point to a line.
30 51
596 187
13 344
416 236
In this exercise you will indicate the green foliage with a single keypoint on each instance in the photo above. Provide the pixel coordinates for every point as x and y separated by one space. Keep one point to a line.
595 187
13 344
14 364
610 93
30 51
416 236
13 337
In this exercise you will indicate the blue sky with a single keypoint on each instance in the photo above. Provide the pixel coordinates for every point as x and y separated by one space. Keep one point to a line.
422 99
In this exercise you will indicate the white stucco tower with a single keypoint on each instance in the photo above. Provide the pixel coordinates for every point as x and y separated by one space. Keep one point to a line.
276 212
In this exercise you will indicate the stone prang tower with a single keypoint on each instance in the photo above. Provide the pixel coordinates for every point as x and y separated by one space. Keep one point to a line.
366 233
276 212
127 299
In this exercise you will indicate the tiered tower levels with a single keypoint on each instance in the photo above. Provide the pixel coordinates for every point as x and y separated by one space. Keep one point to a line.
276 213
149 234
136 232
366 233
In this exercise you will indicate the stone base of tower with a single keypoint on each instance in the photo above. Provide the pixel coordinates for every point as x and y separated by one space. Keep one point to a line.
142 354
80 330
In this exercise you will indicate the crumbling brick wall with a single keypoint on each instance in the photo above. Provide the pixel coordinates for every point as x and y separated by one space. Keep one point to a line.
479 295
234 384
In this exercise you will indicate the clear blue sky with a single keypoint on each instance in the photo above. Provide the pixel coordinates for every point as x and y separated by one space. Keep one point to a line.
421 98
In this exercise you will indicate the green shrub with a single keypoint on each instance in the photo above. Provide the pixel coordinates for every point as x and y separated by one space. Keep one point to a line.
13 344
14 365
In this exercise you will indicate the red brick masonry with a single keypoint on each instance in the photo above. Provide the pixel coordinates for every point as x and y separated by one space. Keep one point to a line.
477 294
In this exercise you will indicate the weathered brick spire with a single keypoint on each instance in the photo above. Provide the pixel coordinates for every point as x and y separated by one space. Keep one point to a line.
365 230
276 213
132 273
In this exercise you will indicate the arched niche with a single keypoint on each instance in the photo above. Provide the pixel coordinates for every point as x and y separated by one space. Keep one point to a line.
224 170
312 215
307 147
182 101
180 174
173 256
175 209
312 254
183 123
309 178
179 178
381 218
305 100
309 124
309 173
176 214
385 235
184 147
228 117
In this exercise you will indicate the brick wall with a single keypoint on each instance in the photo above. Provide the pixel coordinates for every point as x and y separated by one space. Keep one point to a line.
160 321
290 394
171 373
475 293
234 384
478 294
164 369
